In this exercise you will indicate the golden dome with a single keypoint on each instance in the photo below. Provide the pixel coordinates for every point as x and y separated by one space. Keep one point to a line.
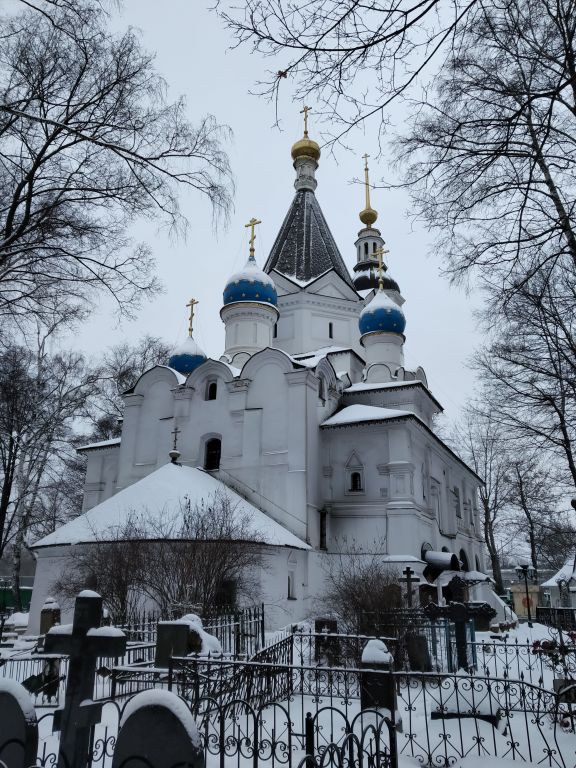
368 216
306 147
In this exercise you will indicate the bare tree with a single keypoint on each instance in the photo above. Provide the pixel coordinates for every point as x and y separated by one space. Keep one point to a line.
529 365
41 394
534 500
204 555
88 144
359 585
482 443
352 59
110 565
119 370
492 151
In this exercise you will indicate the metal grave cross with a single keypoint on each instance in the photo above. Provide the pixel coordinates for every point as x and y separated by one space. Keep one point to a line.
83 641
459 613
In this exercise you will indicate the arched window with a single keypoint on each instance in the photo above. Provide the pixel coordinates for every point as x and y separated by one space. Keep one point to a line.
211 390
330 330
365 249
275 334
463 557
373 247
212 454
355 481
426 547
321 390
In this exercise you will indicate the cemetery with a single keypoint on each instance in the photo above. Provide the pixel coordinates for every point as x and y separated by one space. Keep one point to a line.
437 692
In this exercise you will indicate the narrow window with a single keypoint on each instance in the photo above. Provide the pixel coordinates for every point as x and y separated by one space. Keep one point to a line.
275 333
211 390
373 247
365 249
464 560
323 529
212 454
291 585
330 330
355 481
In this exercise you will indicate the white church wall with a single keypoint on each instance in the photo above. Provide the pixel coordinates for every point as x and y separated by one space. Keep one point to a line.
101 475
50 563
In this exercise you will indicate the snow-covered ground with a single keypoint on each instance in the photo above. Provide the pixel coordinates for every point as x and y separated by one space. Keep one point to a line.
526 729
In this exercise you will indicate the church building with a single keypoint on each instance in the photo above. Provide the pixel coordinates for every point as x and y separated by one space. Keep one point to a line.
309 420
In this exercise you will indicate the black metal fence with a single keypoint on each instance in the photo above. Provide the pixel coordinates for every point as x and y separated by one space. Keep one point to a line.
239 630
438 720
560 618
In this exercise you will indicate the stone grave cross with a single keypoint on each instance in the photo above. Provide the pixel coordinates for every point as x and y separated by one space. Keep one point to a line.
83 641
459 613
408 577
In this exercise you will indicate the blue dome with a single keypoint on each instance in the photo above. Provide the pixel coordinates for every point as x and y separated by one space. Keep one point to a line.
381 315
186 357
250 284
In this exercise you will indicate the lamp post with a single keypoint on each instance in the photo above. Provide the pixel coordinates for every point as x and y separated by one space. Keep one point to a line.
527 571
4 586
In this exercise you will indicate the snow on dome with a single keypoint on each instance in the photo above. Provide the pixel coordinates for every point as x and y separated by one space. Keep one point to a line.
250 284
381 315
187 357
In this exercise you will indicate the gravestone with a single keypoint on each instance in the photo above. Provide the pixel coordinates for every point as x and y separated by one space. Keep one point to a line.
418 653
18 726
157 729
83 641
49 615
325 647
377 689
459 613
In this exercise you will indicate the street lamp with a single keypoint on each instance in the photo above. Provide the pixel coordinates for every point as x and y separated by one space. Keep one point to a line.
4 613
527 571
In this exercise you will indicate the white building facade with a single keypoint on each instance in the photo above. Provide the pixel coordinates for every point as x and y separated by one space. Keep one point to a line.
309 416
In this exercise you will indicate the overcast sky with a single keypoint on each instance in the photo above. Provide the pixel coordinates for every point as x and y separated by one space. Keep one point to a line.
193 54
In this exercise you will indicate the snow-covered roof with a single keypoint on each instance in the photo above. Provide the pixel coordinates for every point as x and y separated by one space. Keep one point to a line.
167 491
366 386
311 359
567 572
354 414
100 444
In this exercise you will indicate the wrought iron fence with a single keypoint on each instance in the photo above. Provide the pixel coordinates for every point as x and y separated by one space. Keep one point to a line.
239 630
560 618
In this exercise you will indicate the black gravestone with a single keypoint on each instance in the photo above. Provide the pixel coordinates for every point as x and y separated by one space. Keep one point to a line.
157 729
418 653
176 638
18 726
83 641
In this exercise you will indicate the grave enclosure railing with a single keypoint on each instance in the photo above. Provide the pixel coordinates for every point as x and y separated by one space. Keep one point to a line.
290 711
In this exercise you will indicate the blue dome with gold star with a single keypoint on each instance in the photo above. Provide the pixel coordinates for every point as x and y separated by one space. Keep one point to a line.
187 357
250 284
382 315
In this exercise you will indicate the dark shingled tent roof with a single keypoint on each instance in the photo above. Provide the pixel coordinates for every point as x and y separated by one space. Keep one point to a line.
305 248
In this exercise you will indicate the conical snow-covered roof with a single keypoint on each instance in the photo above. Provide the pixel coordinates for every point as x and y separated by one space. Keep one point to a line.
305 248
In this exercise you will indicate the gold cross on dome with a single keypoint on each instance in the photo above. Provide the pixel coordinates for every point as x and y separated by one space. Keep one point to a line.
305 111
366 181
192 303
252 223
379 253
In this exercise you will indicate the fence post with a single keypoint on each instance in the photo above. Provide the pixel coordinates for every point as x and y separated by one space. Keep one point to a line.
262 637
309 735
170 671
